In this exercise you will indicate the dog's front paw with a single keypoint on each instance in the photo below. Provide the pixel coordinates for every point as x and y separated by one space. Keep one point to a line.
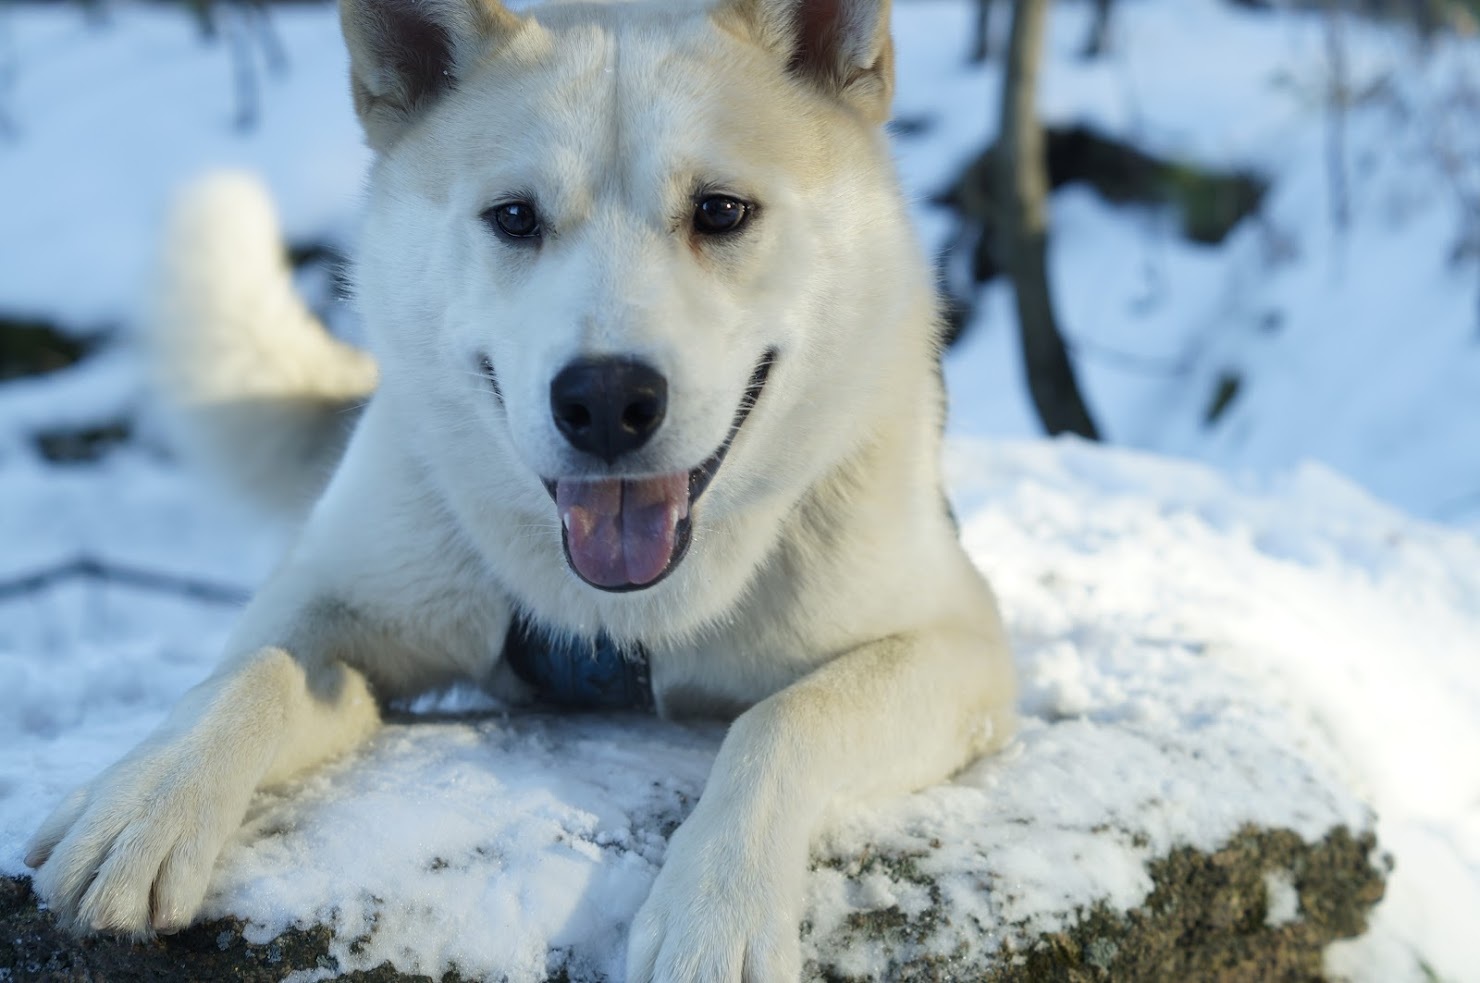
132 851
723 910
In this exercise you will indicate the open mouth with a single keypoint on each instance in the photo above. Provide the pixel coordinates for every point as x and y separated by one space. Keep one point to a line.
627 534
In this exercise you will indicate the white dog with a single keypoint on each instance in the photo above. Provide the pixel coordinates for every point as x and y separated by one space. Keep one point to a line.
657 419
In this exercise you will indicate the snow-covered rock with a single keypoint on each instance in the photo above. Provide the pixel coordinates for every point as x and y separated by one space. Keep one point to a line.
1218 689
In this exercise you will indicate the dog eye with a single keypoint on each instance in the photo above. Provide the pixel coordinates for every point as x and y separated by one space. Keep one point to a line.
719 214
514 220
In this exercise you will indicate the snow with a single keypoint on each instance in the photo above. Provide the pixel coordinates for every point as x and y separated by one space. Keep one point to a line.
1284 899
112 118
1361 622
1194 658
1358 348
1199 648
1377 376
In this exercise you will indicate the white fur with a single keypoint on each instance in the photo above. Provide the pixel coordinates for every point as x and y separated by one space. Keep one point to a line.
825 602
257 385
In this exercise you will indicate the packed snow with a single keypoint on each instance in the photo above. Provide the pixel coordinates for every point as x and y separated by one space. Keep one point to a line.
1198 649
1195 657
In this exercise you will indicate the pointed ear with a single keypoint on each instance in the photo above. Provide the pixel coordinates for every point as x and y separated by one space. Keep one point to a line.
842 46
405 53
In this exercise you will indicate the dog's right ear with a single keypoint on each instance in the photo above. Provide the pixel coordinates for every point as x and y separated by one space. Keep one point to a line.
405 53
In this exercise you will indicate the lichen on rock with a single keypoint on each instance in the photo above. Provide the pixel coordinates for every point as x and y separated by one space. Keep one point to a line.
1207 918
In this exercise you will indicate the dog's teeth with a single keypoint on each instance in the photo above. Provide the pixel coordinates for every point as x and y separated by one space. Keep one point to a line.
565 520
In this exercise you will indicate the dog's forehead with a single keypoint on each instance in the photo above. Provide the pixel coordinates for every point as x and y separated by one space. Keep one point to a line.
596 98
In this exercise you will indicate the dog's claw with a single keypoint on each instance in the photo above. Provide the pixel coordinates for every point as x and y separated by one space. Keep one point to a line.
716 917
131 853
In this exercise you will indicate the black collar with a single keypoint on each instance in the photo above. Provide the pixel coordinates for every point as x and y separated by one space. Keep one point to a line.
584 673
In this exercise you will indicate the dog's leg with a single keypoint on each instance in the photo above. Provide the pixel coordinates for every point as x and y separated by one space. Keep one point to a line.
378 591
132 851
891 716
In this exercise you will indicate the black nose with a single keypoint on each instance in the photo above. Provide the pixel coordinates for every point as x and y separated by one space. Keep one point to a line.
608 406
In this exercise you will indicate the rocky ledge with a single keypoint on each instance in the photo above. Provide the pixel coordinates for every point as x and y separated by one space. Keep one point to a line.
1264 907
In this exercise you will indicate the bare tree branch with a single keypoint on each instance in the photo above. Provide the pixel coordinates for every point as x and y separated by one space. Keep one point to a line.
1098 40
1339 95
982 35
9 73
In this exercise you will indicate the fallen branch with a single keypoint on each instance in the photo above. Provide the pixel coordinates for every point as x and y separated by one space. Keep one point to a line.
94 569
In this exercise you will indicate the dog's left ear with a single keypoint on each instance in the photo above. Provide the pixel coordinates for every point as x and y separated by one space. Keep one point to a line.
404 54
842 46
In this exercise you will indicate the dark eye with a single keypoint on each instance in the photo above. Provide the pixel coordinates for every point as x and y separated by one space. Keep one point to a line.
514 220
719 214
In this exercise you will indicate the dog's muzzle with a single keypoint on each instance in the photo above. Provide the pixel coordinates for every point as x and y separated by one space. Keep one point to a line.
627 534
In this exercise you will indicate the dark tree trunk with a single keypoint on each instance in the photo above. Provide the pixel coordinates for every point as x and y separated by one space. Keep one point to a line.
1023 190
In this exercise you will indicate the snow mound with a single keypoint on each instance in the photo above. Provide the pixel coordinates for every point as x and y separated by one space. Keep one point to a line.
1196 661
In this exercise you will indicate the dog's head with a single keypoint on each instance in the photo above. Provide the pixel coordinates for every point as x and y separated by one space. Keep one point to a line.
622 256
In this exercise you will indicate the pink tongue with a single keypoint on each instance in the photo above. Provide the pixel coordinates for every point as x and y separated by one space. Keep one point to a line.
622 532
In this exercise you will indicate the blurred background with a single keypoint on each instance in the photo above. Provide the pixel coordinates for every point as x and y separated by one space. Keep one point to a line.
1242 232
1262 223
1245 233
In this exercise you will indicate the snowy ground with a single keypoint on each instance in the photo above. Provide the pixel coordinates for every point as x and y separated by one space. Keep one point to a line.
1194 657
1274 621
1358 348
